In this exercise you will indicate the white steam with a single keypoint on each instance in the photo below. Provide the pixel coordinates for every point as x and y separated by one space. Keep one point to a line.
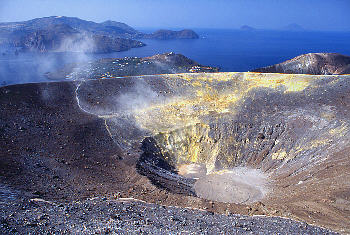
31 67
79 43
140 97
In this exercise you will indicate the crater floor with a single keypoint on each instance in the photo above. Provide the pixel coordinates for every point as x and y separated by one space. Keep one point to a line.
237 185
242 143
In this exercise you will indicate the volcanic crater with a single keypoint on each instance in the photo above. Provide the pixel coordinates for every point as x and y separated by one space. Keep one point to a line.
277 144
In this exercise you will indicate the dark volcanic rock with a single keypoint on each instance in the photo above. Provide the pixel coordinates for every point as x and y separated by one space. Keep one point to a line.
152 164
169 34
123 216
312 63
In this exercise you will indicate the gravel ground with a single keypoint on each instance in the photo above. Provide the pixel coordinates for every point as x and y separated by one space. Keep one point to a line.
127 216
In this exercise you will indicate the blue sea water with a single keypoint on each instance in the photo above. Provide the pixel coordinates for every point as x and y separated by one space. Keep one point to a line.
231 50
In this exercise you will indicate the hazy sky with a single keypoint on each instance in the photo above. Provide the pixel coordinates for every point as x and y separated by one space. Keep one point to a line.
311 14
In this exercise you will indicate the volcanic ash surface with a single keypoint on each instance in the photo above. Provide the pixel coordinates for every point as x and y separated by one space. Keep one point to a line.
237 185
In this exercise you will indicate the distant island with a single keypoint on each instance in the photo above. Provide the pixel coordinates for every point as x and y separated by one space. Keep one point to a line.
167 63
293 27
169 34
312 63
247 28
71 34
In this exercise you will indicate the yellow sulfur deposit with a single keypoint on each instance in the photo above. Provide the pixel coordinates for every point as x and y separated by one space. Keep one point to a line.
212 94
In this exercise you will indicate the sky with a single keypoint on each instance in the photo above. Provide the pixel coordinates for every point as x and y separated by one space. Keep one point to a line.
262 14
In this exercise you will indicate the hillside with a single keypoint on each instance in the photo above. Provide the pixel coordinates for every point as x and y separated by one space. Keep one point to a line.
167 63
312 63
71 34
68 34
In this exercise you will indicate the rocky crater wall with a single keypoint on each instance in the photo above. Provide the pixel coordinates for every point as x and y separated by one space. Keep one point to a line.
190 126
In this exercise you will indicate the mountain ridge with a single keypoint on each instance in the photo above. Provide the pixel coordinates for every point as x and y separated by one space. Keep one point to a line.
311 63
46 33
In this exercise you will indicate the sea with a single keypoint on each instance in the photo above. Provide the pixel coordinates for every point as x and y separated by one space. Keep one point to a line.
230 50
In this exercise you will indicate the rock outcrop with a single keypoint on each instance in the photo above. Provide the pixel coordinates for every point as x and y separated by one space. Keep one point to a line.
312 63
